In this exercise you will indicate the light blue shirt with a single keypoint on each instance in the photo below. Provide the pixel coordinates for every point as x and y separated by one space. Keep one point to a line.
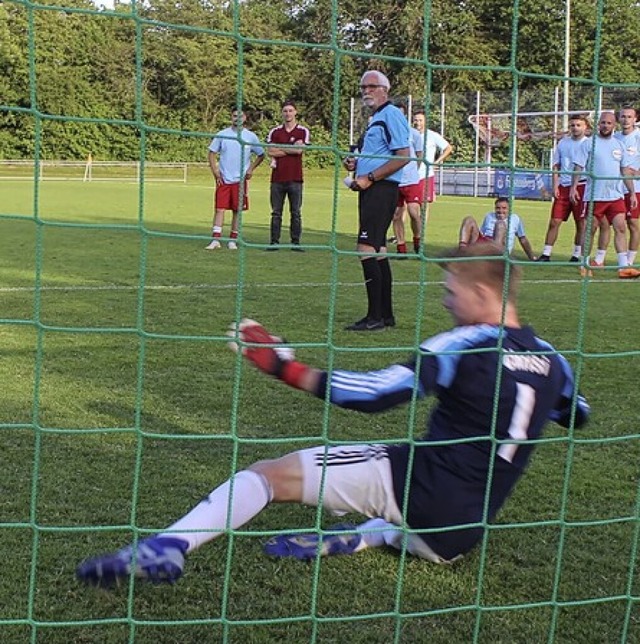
514 227
563 157
410 174
603 159
387 132
631 143
234 158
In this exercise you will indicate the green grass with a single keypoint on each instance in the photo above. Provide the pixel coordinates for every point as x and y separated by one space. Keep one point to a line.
121 406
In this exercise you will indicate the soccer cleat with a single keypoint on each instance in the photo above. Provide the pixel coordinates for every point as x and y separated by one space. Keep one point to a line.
213 245
272 246
157 559
628 273
232 245
573 259
296 247
309 546
594 264
543 258
365 324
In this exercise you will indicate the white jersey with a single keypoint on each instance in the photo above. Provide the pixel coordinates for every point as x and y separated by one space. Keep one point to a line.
410 172
563 157
603 158
515 227
432 144
631 143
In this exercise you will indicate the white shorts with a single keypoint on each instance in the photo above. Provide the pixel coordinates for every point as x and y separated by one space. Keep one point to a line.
357 478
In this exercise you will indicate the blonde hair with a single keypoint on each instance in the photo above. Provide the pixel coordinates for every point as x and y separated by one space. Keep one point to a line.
485 263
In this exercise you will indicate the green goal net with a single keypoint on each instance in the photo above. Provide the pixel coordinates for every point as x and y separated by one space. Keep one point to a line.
121 404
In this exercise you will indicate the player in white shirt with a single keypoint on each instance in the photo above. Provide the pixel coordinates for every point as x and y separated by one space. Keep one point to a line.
498 226
610 170
630 136
562 179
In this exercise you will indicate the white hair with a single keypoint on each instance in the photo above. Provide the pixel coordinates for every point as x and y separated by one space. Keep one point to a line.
382 79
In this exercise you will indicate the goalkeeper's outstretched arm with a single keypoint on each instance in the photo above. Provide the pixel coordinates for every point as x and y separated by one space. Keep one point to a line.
367 392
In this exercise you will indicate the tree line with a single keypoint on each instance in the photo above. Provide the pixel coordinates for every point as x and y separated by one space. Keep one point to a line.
158 78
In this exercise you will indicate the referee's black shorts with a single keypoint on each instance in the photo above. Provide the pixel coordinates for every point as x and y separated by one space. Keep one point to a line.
376 206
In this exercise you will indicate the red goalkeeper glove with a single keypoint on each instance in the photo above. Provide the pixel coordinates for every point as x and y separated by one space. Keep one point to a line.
267 354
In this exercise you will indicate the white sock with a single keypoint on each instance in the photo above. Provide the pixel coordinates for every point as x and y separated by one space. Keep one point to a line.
600 255
383 533
251 494
577 251
631 256
623 262
547 250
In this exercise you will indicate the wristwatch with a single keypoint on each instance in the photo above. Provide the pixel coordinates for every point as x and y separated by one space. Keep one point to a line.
371 177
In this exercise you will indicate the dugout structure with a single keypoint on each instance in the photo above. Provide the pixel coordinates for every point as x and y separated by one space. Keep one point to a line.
122 406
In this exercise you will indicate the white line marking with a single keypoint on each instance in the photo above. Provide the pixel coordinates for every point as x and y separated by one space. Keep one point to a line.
176 287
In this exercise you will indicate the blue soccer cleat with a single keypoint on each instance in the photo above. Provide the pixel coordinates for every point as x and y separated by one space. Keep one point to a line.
157 559
307 546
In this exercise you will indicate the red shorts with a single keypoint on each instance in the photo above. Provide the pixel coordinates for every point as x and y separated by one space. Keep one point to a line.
228 197
429 188
635 213
608 209
563 207
413 193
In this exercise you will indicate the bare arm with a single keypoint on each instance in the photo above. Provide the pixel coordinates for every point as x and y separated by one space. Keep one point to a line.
526 247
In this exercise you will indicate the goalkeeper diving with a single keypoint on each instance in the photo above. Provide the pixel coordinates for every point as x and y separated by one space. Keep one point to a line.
497 384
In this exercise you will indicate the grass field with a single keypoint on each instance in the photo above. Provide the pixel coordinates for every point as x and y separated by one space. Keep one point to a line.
122 407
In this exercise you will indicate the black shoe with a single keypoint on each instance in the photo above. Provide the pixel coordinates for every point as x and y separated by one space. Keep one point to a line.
366 325
543 258
272 246
390 321
573 259
296 247
392 240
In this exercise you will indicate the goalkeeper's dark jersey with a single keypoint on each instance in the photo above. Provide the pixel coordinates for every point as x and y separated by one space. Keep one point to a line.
496 389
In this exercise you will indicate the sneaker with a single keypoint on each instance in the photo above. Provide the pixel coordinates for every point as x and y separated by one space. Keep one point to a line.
232 245
628 273
390 321
157 559
213 245
296 247
309 546
543 258
573 259
272 246
365 324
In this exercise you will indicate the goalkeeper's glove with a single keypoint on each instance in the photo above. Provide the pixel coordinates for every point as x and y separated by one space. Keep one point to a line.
267 354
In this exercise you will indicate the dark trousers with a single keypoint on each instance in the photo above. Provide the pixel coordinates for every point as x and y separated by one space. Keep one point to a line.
293 191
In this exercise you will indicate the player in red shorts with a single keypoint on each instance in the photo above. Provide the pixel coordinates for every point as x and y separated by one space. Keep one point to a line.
562 178
630 137
611 170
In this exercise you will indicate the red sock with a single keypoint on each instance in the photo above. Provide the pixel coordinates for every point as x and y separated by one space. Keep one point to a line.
402 248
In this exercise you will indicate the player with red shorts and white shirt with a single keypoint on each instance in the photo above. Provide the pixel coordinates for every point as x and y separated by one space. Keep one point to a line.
630 136
611 169
562 178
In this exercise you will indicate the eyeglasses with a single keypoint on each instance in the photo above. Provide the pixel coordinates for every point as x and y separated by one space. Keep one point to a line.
364 88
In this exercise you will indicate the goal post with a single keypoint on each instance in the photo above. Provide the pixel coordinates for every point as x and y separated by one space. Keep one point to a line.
90 170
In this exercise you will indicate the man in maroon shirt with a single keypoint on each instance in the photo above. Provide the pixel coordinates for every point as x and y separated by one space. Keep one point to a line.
288 141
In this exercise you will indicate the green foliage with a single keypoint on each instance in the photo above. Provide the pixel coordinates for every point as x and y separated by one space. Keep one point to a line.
181 66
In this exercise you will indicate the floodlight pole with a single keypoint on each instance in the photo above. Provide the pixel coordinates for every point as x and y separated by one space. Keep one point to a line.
567 61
